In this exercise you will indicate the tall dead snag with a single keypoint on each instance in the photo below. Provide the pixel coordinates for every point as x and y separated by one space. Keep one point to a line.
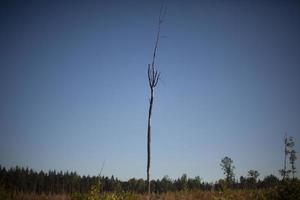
153 78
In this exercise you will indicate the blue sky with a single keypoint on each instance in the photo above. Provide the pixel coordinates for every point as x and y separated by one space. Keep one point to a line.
74 89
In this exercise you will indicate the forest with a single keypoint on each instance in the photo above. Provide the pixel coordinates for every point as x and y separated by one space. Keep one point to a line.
24 183
24 180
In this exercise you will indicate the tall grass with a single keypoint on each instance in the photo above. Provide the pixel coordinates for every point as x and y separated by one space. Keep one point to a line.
286 190
191 195
22 196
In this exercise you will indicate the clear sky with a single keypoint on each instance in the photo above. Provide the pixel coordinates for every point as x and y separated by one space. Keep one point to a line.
74 89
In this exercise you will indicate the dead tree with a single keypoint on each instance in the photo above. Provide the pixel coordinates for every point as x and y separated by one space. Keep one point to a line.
153 78
288 147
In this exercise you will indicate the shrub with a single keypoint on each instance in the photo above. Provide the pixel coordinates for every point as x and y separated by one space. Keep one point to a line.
94 192
289 190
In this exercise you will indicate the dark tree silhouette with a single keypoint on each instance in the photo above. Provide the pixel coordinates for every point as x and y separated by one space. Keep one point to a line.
252 178
293 156
286 152
288 148
227 167
253 174
153 78
19 180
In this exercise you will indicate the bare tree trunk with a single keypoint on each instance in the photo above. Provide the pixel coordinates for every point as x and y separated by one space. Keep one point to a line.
149 142
285 153
153 78
285 173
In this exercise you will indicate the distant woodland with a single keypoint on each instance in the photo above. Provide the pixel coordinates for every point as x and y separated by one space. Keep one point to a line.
19 182
26 180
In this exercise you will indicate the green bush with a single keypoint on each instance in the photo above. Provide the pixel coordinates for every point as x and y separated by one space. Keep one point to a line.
285 190
94 192
289 190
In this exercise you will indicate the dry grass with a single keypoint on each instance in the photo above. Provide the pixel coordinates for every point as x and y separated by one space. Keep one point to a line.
38 197
205 195
194 195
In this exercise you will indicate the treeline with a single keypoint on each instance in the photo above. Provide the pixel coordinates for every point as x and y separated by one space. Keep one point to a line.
24 180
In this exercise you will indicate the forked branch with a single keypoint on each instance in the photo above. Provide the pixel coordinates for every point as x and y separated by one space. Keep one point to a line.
153 78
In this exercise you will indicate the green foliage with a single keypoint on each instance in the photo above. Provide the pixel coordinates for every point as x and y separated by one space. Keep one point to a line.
289 190
270 181
110 196
183 183
166 184
227 167
94 192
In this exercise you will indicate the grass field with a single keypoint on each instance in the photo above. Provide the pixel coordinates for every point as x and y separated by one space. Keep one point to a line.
191 195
